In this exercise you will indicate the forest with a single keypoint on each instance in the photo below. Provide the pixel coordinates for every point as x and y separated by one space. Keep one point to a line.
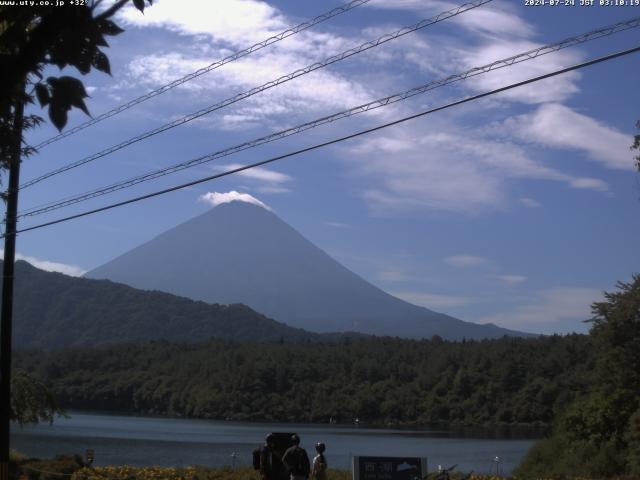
378 380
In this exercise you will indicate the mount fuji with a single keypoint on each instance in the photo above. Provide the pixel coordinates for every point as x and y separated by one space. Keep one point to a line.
239 252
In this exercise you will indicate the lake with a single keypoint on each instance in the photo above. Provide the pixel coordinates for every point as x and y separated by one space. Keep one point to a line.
142 441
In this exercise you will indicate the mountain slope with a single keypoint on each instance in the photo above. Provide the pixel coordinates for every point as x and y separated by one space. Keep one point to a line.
52 310
242 253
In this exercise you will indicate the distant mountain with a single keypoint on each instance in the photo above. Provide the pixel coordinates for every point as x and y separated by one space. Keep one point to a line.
243 253
52 310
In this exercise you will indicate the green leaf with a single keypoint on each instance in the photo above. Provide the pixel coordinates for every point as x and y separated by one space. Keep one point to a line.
66 92
83 62
107 27
100 41
101 62
79 103
58 115
42 92
69 85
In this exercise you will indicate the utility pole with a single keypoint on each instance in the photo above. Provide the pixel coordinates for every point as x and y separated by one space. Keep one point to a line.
7 282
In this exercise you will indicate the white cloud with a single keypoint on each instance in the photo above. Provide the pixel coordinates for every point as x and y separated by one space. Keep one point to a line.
530 202
230 24
159 69
590 184
496 19
512 279
559 126
238 22
425 51
258 173
223 27
431 300
445 166
559 305
446 169
216 198
265 180
465 260
495 32
49 266
415 169
558 88
318 92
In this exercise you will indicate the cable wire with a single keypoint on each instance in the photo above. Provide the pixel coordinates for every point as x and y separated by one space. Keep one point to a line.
233 57
330 142
519 58
273 83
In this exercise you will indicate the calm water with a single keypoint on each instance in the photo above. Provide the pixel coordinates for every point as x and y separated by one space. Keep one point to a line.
144 441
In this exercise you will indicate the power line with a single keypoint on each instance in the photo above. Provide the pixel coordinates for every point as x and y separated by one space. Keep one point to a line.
273 83
331 142
233 57
522 57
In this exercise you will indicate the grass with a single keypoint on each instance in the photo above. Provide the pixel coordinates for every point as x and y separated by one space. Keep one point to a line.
66 467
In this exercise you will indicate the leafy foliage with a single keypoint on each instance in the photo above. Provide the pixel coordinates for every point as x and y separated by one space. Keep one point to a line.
32 38
379 380
72 467
61 94
599 434
66 465
61 466
31 401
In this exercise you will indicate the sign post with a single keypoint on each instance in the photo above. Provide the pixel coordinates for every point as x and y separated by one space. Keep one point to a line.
389 468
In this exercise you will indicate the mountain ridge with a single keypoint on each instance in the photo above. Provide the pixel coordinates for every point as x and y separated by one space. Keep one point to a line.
242 253
53 310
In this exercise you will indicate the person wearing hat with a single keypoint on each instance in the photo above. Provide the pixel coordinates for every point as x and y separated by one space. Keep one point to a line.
296 460
319 465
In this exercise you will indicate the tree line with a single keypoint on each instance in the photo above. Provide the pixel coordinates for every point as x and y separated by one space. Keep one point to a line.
377 380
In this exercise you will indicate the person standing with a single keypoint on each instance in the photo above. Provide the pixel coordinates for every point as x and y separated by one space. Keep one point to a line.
270 463
296 460
319 465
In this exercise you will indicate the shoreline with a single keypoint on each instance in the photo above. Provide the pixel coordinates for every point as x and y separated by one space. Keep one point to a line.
454 427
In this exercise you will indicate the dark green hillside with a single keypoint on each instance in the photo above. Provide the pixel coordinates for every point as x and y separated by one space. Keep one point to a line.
55 311
386 380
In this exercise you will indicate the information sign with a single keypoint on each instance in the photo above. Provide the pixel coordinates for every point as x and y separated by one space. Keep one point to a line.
389 468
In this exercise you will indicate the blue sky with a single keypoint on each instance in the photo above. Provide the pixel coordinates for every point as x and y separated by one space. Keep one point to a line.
519 209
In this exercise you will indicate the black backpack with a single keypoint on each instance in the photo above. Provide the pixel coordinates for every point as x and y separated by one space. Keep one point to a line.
257 453
302 466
